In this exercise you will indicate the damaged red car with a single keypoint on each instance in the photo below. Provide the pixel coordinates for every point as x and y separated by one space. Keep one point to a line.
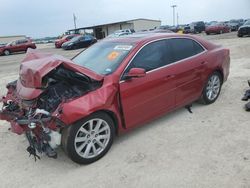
112 87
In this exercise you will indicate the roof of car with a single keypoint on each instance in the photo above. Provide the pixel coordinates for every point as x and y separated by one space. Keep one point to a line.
147 36
137 38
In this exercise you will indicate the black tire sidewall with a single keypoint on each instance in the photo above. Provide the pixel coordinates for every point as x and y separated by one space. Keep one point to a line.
204 97
72 131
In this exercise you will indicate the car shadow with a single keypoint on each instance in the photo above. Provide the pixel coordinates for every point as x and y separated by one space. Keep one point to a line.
157 123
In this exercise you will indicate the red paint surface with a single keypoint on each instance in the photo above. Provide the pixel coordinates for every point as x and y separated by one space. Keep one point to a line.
59 42
18 47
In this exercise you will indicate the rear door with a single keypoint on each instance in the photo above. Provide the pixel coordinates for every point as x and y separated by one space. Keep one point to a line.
189 66
148 97
21 45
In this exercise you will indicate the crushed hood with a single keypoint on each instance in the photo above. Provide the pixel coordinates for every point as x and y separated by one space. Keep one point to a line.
37 64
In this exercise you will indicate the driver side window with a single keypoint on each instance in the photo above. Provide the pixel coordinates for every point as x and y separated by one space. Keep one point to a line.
150 57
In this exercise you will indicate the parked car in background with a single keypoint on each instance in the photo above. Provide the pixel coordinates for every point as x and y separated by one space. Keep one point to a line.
81 41
118 35
59 42
197 27
163 27
234 25
130 31
110 88
21 45
245 29
217 28
187 29
174 29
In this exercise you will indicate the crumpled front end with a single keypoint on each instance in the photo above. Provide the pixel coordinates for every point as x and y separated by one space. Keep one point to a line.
30 105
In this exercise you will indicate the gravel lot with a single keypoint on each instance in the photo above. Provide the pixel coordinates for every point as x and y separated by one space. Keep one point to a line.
209 148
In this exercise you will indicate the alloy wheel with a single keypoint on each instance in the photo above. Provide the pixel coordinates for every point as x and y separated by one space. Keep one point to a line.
6 52
213 87
92 138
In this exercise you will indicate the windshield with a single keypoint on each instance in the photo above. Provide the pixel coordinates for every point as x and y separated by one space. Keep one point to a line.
11 43
103 57
247 22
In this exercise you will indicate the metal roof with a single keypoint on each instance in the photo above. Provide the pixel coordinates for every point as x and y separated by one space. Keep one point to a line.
126 21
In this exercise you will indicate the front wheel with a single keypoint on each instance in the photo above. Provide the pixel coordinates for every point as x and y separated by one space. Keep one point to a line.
90 139
212 88
6 52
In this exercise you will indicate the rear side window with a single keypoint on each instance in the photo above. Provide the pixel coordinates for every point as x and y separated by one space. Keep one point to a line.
22 41
184 48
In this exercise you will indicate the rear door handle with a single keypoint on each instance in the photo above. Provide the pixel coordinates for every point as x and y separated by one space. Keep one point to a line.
203 62
169 77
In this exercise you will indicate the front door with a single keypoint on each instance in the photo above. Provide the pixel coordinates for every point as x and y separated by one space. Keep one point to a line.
143 99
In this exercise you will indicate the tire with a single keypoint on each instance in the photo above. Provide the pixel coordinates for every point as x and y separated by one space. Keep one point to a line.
85 145
208 33
240 35
212 88
6 52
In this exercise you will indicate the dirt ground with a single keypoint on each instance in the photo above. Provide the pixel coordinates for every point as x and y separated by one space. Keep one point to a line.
209 148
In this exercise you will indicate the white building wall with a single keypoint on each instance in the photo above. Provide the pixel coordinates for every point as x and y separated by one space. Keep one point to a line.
6 39
145 24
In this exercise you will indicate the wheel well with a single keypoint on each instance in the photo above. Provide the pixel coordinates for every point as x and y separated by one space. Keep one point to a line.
113 117
221 73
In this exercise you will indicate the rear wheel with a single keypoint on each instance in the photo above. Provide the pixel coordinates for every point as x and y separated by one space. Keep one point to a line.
90 139
212 88
6 52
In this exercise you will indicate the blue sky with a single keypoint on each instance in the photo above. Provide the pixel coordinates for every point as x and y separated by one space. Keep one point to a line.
53 17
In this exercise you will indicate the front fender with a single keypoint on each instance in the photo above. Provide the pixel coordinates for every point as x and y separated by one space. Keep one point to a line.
104 98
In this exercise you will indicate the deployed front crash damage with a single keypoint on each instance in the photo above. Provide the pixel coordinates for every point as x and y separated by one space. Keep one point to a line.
50 94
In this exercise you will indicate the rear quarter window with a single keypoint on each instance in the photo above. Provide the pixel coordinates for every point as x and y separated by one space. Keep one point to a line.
184 48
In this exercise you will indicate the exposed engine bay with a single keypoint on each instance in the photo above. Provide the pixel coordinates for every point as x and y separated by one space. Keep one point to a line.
34 117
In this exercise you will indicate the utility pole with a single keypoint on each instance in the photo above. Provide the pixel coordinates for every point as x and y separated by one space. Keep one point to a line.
177 19
174 6
74 17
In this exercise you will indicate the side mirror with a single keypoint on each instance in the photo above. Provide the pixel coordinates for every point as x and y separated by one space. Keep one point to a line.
135 73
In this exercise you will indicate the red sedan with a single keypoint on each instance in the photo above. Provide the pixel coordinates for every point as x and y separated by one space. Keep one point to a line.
113 86
217 28
66 38
17 46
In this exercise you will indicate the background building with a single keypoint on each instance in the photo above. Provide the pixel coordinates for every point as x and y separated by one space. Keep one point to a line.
6 39
103 30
